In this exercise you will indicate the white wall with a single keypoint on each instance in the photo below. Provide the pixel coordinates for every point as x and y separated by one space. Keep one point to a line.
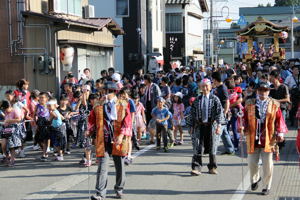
107 8
157 31
194 29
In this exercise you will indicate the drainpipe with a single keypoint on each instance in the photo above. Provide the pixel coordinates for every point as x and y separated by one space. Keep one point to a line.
20 9
10 26
47 50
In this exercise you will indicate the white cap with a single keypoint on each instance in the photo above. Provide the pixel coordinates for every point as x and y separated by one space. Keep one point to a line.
87 87
116 77
52 102
179 94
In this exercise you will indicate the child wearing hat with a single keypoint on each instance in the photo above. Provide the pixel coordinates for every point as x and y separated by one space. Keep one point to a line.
161 115
56 119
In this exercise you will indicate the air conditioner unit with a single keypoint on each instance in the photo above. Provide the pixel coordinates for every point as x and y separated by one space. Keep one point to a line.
89 11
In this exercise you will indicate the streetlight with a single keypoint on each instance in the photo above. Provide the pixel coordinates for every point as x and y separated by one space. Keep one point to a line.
294 20
227 19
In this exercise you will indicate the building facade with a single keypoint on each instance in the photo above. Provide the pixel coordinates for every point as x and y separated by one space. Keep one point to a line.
184 31
143 23
35 32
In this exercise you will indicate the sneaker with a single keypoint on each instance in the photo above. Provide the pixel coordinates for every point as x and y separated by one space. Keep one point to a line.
68 152
195 172
166 149
137 147
96 197
55 154
119 195
88 163
2 156
82 161
11 163
128 161
36 147
171 145
265 192
43 158
254 186
59 158
22 154
213 171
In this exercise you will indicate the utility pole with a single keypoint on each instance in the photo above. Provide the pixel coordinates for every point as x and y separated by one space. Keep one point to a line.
211 33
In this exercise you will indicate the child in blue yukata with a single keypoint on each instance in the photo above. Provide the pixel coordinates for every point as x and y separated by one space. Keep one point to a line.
161 115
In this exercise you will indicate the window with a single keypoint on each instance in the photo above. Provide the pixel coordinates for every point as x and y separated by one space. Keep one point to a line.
72 7
122 8
174 22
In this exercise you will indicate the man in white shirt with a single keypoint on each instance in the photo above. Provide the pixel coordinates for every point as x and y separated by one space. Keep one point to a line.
293 80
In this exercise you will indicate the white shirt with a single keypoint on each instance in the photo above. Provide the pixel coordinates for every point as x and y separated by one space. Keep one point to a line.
206 99
290 82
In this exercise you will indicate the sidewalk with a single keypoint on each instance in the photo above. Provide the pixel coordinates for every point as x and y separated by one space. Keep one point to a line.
289 185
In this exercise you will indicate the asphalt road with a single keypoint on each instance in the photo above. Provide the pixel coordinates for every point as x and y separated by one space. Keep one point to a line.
154 175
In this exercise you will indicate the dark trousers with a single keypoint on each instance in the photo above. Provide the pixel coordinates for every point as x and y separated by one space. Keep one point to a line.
102 174
203 138
161 130
148 111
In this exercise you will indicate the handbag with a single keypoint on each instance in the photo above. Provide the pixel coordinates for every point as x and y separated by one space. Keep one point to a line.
8 131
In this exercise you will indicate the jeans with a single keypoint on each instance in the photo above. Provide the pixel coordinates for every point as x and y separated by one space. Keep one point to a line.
284 114
229 148
161 130
102 174
236 135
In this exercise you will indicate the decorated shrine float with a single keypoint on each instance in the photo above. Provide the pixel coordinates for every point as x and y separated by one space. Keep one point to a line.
262 28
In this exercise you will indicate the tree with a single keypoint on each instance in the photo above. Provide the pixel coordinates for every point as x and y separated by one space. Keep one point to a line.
269 5
287 2
260 5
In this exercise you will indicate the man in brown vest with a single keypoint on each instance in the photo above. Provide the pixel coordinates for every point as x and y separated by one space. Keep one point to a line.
110 118
263 126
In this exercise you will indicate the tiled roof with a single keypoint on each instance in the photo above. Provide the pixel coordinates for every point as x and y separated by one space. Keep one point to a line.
93 23
178 1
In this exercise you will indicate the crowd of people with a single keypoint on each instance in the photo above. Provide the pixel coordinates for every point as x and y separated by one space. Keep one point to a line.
117 113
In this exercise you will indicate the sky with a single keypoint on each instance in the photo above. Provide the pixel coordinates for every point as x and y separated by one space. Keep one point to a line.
234 6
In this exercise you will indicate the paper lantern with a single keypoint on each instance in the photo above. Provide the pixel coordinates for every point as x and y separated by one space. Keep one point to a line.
283 35
66 57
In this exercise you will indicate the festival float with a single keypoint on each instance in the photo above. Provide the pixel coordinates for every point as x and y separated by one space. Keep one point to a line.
262 28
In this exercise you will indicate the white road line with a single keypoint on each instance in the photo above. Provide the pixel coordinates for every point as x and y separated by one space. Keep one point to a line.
242 188
147 148
51 191
28 147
